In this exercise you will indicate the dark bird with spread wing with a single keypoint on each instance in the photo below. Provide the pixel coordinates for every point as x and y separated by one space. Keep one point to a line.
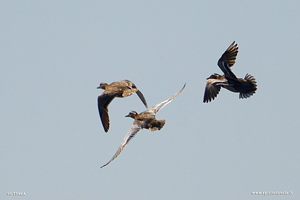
245 86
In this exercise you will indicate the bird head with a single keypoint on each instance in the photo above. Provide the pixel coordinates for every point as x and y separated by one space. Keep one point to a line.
214 76
102 86
132 114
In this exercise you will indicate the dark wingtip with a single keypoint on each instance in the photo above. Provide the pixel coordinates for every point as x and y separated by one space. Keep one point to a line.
104 118
206 99
182 87
141 96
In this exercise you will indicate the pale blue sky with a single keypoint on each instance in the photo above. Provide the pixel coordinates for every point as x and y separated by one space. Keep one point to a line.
54 54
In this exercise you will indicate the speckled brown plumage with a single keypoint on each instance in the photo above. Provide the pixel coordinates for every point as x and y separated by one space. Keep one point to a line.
120 89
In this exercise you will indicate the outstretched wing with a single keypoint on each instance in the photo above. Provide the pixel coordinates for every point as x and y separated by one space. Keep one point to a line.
211 90
139 93
131 88
159 106
130 134
227 60
103 101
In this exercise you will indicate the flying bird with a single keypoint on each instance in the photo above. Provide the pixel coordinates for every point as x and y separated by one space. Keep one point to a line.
143 120
122 88
245 86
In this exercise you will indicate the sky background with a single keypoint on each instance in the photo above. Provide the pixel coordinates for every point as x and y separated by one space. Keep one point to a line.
55 53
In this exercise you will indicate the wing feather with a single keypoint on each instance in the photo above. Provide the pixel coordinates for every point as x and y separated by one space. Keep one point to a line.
141 96
130 134
103 101
159 106
211 90
227 60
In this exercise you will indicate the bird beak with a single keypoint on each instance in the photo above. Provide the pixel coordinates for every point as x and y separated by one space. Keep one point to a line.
127 115
98 87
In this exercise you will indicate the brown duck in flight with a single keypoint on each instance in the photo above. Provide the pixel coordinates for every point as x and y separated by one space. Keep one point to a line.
246 87
122 88
145 120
